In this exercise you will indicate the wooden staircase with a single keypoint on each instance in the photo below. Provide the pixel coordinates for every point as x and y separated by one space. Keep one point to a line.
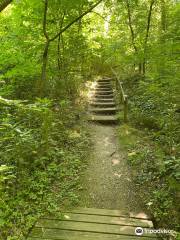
91 224
102 106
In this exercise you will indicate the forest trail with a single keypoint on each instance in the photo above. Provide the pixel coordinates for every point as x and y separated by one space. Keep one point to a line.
108 179
109 206
52 52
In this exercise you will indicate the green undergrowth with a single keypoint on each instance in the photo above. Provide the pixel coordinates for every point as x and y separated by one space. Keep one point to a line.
42 154
155 174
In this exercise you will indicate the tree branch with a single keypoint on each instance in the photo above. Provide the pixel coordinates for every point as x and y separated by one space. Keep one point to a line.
130 26
99 15
75 20
4 4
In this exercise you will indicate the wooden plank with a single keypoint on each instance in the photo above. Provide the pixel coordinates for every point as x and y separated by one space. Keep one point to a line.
58 234
88 227
103 91
104 219
107 111
104 81
97 211
105 104
104 84
104 109
109 212
102 100
104 96
103 118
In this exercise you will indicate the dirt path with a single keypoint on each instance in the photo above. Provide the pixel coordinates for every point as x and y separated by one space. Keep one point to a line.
107 180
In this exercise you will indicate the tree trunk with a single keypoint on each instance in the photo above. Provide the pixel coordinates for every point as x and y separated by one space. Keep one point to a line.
131 27
140 68
144 66
163 16
42 85
161 63
4 4
59 59
147 35
133 34
58 53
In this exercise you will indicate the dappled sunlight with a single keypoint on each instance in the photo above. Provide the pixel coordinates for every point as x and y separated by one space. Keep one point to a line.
118 175
141 215
115 161
91 86
106 141
67 217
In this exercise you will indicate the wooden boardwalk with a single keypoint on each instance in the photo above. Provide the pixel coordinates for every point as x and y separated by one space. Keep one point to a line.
91 224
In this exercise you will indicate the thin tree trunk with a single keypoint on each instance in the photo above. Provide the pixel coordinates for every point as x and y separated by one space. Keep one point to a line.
130 26
58 45
163 16
43 84
63 50
4 4
147 35
161 65
140 68
58 52
132 33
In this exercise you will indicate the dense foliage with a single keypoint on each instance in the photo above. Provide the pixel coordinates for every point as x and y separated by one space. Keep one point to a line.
42 153
48 50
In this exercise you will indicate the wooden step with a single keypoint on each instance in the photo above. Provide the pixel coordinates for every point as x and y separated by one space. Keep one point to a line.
109 212
87 227
90 224
110 110
104 219
104 84
102 99
105 104
105 80
100 92
103 118
60 234
103 88
104 96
